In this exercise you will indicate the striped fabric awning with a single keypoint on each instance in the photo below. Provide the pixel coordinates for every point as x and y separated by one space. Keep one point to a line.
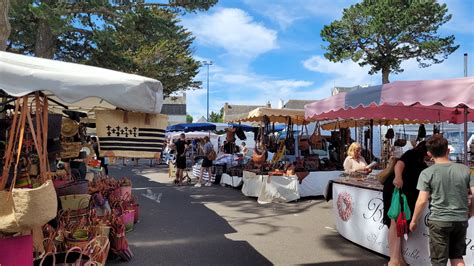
132 135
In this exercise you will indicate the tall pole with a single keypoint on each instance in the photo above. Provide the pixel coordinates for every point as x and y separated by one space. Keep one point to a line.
207 92
207 63
465 116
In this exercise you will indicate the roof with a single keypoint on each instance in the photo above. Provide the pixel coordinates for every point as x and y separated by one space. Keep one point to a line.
233 110
297 104
274 115
337 90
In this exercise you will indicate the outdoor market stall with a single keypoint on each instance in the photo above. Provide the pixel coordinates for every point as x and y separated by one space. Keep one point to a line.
82 223
289 185
358 204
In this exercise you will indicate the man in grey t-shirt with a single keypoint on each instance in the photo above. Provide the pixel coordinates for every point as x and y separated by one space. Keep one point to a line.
448 186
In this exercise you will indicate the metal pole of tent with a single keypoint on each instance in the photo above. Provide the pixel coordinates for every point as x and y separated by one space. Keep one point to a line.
465 135
371 139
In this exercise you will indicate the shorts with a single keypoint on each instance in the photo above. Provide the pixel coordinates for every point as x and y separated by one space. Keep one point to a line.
181 162
206 162
447 241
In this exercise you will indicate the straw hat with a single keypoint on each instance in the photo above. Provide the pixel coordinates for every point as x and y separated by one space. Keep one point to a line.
69 127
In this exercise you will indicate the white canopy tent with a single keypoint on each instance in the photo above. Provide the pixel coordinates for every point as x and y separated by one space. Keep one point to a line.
79 86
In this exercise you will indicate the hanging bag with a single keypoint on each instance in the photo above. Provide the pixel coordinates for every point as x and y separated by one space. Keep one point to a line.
303 142
336 134
316 139
22 208
403 217
290 139
402 139
400 211
421 133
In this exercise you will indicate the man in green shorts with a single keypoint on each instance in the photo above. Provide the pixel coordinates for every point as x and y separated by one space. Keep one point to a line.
448 186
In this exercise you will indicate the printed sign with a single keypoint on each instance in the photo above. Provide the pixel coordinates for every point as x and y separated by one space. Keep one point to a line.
359 212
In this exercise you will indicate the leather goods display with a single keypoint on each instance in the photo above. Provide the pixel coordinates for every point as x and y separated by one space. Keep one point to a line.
130 134
316 139
303 141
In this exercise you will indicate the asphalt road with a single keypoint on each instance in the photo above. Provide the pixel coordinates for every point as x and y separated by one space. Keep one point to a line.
220 226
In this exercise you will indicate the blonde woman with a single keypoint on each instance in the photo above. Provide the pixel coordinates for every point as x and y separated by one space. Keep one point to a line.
354 161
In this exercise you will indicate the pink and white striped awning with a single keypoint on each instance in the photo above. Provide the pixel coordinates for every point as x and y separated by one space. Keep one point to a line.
433 100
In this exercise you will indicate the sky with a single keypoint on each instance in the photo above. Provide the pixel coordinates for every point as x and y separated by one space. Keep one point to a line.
270 50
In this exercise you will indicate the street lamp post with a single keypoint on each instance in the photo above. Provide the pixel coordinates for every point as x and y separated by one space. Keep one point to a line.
207 63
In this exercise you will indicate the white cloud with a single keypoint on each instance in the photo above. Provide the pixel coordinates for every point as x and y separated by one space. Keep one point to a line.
233 30
345 73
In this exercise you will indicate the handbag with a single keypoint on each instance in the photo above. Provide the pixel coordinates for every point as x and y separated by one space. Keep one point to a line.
402 139
258 158
290 139
211 156
303 142
390 134
316 139
23 209
421 132
75 202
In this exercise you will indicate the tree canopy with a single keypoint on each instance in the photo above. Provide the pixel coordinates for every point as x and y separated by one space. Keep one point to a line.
125 35
383 34
217 117
189 118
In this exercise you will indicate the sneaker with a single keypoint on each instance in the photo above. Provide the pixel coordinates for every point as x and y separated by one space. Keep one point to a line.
197 185
208 184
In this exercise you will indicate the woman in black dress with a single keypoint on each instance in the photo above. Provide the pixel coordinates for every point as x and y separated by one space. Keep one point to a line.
407 172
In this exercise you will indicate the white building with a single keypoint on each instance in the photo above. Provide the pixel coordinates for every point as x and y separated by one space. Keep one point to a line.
175 107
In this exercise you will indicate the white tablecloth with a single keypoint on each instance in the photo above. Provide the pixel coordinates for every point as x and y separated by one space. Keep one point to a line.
274 189
233 181
278 189
315 183
252 184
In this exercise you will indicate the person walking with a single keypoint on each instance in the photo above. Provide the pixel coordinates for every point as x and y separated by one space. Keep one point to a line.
180 158
445 185
406 173
206 163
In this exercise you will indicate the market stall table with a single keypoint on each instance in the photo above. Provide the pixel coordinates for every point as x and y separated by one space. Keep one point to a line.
315 183
358 210
233 181
270 188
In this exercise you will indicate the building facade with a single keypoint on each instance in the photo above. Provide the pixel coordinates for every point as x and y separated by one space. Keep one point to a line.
175 108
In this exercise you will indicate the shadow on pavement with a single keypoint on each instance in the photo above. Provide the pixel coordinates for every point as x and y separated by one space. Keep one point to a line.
176 228
343 246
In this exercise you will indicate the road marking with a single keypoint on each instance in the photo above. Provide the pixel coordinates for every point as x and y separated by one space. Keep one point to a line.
150 195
